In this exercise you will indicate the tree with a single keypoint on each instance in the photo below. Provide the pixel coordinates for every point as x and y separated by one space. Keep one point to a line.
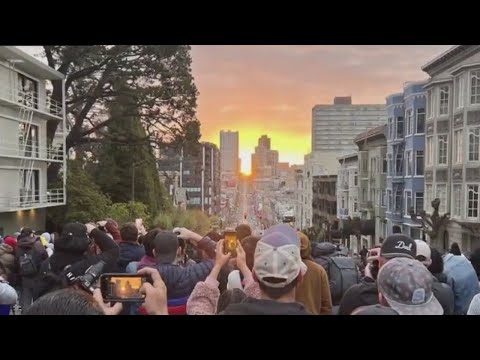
85 201
128 212
126 169
159 77
433 225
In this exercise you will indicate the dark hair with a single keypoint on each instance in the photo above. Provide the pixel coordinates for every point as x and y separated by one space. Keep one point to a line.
26 232
276 293
129 232
249 244
65 302
396 229
475 260
232 296
243 230
455 249
147 241
436 267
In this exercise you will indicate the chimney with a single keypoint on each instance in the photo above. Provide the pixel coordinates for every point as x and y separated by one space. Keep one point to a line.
342 100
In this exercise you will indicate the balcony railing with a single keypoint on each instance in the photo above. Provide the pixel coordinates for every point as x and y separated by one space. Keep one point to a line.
342 212
30 151
28 199
31 101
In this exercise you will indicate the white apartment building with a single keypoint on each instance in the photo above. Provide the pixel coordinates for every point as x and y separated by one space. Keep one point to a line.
25 153
347 187
229 154
334 126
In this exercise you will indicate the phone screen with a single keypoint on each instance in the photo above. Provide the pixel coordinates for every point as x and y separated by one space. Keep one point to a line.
122 287
230 243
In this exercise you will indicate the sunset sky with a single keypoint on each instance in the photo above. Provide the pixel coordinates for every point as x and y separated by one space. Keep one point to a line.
271 89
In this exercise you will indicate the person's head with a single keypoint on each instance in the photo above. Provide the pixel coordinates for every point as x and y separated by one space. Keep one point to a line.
364 247
26 232
228 297
11 241
165 247
215 236
129 232
278 266
357 296
47 237
396 229
424 254
305 246
147 241
65 302
405 285
74 239
396 246
455 249
243 230
249 244
436 267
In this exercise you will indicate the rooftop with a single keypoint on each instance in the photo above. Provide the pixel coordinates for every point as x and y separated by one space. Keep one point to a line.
29 64
444 56
371 133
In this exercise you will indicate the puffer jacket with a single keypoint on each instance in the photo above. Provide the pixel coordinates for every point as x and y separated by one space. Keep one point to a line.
463 280
7 258
129 252
180 281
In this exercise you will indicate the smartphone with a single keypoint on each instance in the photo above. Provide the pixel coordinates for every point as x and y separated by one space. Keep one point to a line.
122 287
230 243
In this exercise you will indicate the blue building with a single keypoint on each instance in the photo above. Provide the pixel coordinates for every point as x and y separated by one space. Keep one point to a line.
405 157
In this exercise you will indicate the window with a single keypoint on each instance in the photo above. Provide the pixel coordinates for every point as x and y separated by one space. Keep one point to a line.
384 198
343 202
459 91
409 122
472 201
28 138
475 87
430 154
408 201
431 104
419 163
428 197
458 146
444 100
355 205
442 195
186 172
420 120
390 200
457 200
418 202
391 166
28 91
409 160
30 190
398 200
400 127
364 195
399 165
442 149
355 179
474 144
390 128
384 164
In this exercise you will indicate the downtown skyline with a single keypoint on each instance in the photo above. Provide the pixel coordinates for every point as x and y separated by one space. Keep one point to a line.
271 89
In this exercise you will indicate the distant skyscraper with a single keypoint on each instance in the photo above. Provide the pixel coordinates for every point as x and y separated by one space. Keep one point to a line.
264 160
229 153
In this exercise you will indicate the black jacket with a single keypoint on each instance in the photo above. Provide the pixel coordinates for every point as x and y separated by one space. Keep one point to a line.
445 296
251 306
25 244
129 252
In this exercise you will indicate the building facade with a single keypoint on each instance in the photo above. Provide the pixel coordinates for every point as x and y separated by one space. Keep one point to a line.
25 151
405 157
347 187
193 177
335 126
372 172
229 155
264 162
324 203
452 159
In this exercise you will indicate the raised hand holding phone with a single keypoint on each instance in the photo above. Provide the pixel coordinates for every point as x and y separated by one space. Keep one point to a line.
221 258
156 294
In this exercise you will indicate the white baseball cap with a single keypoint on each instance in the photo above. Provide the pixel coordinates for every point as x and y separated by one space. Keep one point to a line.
424 250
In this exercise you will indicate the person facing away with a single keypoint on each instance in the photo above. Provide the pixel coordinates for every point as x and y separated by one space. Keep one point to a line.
396 229
475 260
180 280
29 256
243 230
363 254
279 270
463 280
394 246
314 290
442 291
130 249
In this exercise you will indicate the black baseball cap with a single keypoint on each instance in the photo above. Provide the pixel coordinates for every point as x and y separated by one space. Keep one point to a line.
398 245
74 238
165 244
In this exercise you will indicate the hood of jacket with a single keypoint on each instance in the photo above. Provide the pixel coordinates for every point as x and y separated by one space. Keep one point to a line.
130 252
251 306
323 249
305 247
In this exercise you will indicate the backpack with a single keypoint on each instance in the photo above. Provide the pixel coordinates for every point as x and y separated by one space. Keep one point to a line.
26 263
48 280
342 273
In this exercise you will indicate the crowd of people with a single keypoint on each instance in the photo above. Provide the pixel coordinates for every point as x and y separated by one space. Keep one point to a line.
281 272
